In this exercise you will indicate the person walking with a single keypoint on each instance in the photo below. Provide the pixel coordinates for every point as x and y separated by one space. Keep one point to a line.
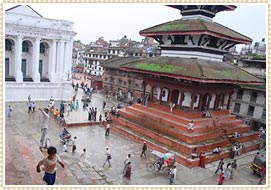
144 148
233 167
65 147
9 111
49 166
173 173
128 171
126 161
108 157
107 129
73 144
83 155
44 128
228 171
100 120
221 178
202 159
220 166
76 105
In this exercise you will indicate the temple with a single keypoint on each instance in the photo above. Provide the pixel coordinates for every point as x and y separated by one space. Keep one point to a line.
190 77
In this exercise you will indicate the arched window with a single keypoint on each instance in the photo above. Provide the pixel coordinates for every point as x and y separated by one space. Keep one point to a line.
8 45
25 47
42 48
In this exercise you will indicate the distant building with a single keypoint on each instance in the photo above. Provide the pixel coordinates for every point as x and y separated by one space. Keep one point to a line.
38 55
249 101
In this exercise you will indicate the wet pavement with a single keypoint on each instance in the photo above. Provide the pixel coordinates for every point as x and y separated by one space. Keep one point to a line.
22 135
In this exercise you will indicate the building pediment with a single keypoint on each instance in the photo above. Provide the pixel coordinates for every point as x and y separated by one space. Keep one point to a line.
24 10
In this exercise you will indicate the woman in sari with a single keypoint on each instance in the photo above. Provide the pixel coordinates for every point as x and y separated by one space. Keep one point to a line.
128 171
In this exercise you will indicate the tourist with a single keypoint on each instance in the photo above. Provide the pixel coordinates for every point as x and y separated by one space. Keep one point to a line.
263 174
190 125
108 157
49 166
228 171
44 128
107 129
83 155
221 178
128 171
194 153
73 144
220 166
144 148
9 111
100 120
202 159
33 106
126 161
173 173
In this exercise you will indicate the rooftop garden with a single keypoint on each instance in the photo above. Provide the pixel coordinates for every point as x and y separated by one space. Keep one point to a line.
163 68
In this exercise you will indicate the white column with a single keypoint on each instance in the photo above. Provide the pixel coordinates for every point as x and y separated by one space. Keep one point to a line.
36 59
60 60
68 58
52 62
18 59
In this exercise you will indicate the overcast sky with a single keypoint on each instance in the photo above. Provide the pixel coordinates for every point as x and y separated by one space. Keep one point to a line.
113 21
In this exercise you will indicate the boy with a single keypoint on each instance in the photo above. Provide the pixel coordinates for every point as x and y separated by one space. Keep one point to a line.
49 164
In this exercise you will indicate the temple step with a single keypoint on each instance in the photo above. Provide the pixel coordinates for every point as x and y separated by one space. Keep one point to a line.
181 157
136 114
178 141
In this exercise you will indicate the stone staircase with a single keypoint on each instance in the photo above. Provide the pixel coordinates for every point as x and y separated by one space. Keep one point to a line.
167 132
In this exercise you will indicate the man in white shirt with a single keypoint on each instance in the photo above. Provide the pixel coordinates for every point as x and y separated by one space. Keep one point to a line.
107 129
44 128
108 157
173 175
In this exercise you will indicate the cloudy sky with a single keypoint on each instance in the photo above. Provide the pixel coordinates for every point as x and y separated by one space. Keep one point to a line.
113 21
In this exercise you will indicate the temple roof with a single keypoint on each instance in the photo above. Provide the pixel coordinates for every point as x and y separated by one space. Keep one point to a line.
191 69
195 26
116 62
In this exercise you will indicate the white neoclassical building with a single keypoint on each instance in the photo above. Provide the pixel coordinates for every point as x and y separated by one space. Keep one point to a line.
38 56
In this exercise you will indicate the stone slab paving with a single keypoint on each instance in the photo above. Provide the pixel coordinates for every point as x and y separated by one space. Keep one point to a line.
22 133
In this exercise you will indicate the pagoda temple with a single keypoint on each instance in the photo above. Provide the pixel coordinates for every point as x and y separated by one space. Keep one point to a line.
190 77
